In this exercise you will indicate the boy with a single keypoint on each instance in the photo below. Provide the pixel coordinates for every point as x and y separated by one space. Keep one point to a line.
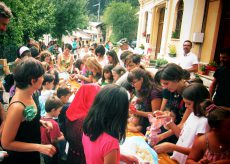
53 107
47 86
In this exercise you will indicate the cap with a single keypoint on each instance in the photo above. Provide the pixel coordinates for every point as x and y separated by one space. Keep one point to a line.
23 49
123 41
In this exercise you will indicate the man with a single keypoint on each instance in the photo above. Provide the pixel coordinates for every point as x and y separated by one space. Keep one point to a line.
5 15
189 60
124 46
221 81
131 61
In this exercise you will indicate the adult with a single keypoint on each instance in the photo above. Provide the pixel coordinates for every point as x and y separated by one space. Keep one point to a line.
112 57
5 15
21 131
124 46
189 60
131 61
76 114
148 92
221 80
65 60
100 55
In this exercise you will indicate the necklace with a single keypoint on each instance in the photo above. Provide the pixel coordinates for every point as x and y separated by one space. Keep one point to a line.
176 95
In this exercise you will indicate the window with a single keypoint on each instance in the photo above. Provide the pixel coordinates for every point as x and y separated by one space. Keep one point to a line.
180 9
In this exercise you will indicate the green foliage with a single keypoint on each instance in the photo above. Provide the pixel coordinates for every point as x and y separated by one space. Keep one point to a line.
103 4
69 15
160 62
30 19
175 35
121 17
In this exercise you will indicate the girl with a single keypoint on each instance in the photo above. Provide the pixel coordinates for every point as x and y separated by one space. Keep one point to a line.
107 77
21 132
100 55
117 72
94 69
195 125
110 113
214 146
112 57
46 56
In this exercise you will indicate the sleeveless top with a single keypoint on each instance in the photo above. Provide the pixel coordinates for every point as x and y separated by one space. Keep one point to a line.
29 132
65 63
215 156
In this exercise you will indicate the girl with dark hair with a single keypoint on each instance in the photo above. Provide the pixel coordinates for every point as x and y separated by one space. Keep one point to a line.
117 72
214 146
112 57
195 125
100 55
148 92
105 126
107 77
172 80
21 131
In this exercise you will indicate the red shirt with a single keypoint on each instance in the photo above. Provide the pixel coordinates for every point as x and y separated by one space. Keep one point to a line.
47 137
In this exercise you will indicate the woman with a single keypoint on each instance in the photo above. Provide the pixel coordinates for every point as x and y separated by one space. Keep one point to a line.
76 114
112 57
46 56
148 92
21 132
65 60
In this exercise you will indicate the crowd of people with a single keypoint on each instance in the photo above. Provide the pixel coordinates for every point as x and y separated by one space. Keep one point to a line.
116 97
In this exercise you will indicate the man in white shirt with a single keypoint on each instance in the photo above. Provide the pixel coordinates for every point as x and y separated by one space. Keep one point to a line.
189 60
124 46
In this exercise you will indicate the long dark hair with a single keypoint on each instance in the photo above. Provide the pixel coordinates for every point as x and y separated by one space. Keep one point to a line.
113 54
197 93
108 113
107 68
173 72
148 81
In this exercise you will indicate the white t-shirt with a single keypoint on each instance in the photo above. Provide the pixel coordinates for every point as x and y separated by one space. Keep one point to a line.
193 126
122 78
187 61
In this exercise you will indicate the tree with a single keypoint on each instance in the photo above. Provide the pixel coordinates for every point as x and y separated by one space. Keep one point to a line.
70 14
30 19
121 17
103 4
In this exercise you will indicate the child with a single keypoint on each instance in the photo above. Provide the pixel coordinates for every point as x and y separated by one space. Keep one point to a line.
101 145
63 93
134 124
53 107
107 77
213 146
195 125
117 72
47 86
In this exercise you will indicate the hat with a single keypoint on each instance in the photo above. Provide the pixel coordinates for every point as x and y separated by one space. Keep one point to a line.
23 49
123 41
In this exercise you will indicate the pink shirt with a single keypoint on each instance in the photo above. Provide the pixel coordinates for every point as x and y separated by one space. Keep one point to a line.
97 150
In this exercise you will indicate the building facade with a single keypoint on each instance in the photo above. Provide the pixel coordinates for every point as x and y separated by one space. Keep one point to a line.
170 22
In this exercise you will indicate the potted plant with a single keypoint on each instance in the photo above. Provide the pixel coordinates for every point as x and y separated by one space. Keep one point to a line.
172 50
160 63
144 34
175 35
202 69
